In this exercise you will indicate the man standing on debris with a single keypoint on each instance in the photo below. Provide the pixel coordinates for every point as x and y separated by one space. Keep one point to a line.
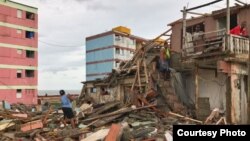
67 108
240 30
164 61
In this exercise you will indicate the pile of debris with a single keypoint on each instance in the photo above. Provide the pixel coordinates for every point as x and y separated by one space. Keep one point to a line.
110 121
152 106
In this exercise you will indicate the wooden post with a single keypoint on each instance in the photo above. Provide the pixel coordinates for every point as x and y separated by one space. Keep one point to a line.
184 27
196 88
248 91
139 74
228 99
145 70
228 26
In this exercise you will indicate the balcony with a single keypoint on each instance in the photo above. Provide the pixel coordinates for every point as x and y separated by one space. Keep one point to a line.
213 44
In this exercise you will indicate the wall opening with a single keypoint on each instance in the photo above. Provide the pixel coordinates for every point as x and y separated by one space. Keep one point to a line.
117 51
222 22
18 93
93 90
30 54
29 34
29 73
19 13
30 15
19 73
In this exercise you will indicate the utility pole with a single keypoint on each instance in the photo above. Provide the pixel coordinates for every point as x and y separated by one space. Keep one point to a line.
228 25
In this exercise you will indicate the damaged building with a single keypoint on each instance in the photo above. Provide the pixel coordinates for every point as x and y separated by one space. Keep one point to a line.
209 69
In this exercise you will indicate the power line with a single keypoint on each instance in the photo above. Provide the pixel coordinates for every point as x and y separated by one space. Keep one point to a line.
58 45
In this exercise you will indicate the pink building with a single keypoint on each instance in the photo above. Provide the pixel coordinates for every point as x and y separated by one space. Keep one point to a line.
18 52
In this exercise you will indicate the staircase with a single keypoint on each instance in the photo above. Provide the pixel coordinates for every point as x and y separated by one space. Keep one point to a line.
165 89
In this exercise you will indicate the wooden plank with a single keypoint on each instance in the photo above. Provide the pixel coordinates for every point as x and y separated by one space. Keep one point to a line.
114 133
184 117
139 74
121 111
145 70
104 108
32 125
99 135
20 115
106 120
6 124
133 85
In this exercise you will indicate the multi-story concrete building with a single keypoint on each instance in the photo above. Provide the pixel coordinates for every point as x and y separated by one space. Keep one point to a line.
18 52
105 51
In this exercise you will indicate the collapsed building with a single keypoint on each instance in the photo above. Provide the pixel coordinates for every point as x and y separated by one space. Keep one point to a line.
208 73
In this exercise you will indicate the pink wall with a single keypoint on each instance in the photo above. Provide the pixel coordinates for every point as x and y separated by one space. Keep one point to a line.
176 39
9 77
9 15
28 96
10 56
10 36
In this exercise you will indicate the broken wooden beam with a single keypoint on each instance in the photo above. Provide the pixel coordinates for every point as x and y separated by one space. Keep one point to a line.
184 117
114 133
32 125
121 111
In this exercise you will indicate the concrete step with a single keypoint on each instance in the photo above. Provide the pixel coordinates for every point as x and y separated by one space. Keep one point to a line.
179 108
173 98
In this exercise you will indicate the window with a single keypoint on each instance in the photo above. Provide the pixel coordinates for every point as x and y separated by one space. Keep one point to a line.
30 54
133 42
18 93
29 34
117 37
93 90
222 21
117 64
122 51
29 73
191 29
19 31
117 51
30 16
19 73
123 39
19 13
19 51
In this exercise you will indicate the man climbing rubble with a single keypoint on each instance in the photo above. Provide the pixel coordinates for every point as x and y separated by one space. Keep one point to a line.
67 108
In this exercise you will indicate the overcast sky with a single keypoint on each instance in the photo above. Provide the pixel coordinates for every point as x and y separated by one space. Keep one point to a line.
64 25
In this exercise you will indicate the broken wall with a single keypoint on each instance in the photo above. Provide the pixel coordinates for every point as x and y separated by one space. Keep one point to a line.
210 24
210 85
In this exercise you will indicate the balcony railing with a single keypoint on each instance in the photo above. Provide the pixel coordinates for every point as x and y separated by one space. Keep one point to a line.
238 45
214 42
